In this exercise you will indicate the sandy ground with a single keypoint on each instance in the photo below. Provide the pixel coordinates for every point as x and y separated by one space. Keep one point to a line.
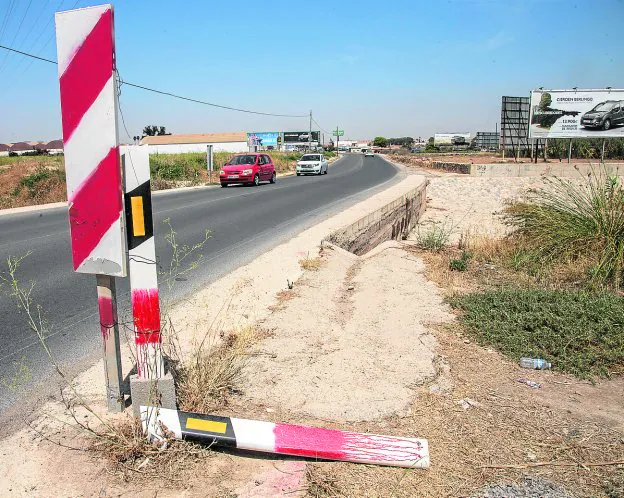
33 458
460 204
356 334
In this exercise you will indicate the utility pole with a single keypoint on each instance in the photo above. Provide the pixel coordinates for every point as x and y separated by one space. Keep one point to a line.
310 135
337 128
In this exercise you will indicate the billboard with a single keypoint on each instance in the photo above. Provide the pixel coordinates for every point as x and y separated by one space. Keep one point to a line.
515 124
577 113
263 138
451 139
301 137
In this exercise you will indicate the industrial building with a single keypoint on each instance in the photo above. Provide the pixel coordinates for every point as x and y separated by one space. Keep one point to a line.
177 144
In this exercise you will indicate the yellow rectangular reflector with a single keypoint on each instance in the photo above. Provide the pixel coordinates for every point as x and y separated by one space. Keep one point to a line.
206 425
138 218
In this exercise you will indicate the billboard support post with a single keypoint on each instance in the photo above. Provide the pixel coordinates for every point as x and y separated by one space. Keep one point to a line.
603 149
310 135
570 152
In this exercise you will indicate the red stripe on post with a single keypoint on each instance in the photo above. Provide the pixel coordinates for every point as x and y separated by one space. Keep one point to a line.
146 312
309 441
339 445
87 73
92 208
107 320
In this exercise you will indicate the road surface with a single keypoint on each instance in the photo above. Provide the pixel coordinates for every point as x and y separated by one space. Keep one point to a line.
244 221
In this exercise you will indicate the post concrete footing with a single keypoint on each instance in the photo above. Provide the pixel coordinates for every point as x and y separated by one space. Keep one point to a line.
152 392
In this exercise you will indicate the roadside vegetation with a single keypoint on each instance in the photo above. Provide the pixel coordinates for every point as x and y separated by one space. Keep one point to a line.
553 287
29 180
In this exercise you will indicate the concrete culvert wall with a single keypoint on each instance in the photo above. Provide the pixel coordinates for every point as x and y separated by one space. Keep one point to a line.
394 221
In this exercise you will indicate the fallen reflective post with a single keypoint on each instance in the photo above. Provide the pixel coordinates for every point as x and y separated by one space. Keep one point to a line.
286 439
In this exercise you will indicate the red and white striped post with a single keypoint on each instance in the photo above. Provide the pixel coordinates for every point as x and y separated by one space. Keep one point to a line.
86 68
142 257
287 439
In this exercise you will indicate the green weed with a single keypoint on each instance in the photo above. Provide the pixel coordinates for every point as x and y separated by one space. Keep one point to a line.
460 264
435 237
579 332
569 221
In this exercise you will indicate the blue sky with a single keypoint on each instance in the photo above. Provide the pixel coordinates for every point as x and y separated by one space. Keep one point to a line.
373 68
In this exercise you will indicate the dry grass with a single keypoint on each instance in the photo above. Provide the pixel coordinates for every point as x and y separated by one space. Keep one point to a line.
32 180
508 435
282 297
212 374
310 264
130 455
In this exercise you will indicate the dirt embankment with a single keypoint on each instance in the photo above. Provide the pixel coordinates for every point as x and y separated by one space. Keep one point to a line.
27 181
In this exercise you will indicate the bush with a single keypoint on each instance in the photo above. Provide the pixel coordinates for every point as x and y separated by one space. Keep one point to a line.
570 222
460 264
177 166
434 238
38 183
579 332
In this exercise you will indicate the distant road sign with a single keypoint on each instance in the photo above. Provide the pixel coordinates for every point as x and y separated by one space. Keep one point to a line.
338 133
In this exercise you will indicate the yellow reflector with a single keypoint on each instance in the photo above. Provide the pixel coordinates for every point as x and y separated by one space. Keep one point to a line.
206 425
138 219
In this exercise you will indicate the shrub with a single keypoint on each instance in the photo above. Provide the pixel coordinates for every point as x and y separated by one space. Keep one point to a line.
39 182
460 264
570 221
579 332
435 237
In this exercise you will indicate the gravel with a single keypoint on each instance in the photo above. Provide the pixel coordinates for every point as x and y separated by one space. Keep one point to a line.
528 487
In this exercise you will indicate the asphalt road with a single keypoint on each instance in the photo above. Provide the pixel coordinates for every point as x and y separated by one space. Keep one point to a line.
244 221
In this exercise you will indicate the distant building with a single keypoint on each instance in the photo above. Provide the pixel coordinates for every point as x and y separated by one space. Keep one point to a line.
177 144
53 147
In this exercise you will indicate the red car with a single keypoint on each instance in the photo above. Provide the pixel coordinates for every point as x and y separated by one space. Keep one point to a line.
249 169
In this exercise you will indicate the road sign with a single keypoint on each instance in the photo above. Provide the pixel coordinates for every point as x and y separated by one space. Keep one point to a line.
338 133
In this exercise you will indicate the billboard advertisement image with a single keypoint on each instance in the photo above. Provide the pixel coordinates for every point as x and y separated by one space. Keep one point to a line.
263 138
451 139
577 113
301 137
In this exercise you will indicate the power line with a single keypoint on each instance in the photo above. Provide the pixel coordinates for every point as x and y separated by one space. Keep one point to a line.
212 104
17 32
320 127
6 18
28 55
169 94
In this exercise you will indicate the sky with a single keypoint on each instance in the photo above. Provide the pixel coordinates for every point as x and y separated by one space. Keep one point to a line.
403 68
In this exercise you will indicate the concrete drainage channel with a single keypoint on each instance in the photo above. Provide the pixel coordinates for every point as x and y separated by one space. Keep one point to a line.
393 221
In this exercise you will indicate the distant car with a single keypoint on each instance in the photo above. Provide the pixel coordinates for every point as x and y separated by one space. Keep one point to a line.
368 153
604 115
458 140
248 169
312 164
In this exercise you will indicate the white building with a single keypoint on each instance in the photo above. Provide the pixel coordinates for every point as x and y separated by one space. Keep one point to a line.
176 144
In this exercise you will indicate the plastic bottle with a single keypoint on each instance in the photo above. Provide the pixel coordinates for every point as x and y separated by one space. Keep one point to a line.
534 363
